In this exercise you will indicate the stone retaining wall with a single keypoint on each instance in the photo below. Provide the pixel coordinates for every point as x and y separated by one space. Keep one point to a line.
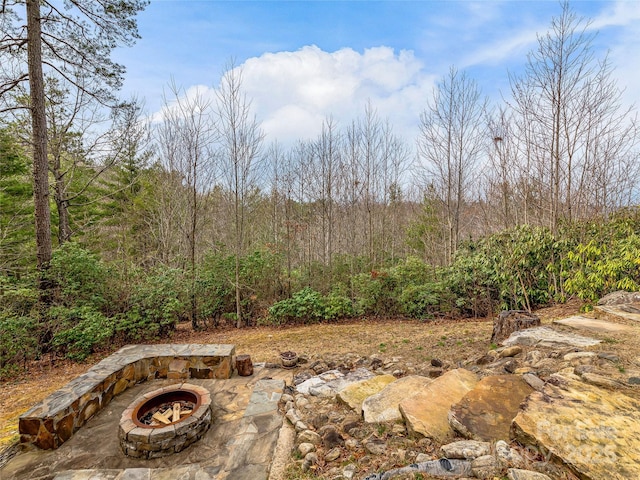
53 421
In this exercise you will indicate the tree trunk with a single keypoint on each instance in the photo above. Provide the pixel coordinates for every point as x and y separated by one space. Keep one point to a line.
64 226
39 138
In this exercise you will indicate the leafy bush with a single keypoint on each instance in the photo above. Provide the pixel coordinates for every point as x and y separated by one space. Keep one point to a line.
80 330
17 342
306 305
154 305
376 293
79 275
421 301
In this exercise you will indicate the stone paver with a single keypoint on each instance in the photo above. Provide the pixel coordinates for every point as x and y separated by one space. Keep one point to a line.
626 311
584 323
547 337
356 393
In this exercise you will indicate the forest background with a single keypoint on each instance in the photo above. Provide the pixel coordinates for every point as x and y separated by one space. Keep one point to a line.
195 216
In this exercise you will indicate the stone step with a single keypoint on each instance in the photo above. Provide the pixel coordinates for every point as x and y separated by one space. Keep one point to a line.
626 311
583 323
548 337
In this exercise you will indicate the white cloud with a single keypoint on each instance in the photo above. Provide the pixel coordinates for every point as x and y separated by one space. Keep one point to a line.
292 93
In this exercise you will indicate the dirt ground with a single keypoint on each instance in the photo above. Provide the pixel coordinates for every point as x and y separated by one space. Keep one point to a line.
414 341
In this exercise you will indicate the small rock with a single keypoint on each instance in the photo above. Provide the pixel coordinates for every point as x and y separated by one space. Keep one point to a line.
319 420
301 377
293 416
578 356
633 380
400 429
302 402
289 405
300 426
485 467
320 367
508 456
422 457
435 362
349 471
311 458
333 454
307 436
375 446
612 357
331 438
636 361
466 449
511 366
533 357
490 357
510 351
286 398
305 448
397 373
517 474
351 443
534 381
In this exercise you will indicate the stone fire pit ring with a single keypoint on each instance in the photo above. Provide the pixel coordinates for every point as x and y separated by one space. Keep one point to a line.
146 441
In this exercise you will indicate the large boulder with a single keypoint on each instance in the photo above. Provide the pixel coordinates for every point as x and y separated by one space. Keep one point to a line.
426 412
550 338
486 412
383 406
594 432
356 393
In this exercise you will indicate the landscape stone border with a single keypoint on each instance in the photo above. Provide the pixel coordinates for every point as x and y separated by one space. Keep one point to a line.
54 420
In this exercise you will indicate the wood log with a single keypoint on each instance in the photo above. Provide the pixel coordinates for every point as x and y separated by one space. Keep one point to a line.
511 321
161 418
244 365
176 412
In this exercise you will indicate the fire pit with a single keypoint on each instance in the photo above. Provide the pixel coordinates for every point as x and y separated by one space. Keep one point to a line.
165 421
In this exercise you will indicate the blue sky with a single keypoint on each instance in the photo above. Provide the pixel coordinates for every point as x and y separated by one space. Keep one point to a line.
305 60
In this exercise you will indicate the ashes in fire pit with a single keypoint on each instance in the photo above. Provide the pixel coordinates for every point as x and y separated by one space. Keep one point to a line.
165 421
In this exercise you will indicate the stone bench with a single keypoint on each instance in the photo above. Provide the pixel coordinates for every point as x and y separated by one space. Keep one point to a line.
53 421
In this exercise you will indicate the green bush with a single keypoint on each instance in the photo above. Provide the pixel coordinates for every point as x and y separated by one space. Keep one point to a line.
306 305
79 275
376 293
79 330
155 305
421 301
17 342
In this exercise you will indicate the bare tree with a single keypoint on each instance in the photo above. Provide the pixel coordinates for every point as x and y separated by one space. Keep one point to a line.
570 112
240 142
452 137
186 140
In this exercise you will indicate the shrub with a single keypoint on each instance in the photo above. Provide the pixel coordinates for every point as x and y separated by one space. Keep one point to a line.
154 305
17 342
306 305
79 330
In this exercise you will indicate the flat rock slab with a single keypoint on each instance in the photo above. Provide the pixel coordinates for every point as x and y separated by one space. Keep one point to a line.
584 323
594 432
329 383
629 311
384 405
426 412
356 393
486 412
547 337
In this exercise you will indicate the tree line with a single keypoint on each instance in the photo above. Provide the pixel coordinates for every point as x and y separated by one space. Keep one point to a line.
233 227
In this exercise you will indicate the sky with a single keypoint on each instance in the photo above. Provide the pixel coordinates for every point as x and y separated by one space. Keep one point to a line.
306 61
